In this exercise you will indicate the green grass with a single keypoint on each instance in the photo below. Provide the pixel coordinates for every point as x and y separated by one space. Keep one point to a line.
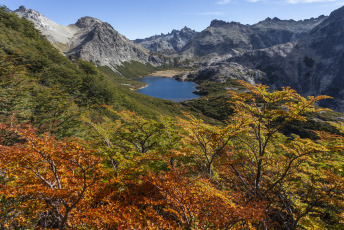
135 69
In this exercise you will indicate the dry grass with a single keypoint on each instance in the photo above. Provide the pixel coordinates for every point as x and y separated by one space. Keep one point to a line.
166 73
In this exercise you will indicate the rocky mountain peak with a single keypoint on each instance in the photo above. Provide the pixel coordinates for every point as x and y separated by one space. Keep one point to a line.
21 9
222 25
230 38
54 32
168 43
290 25
218 23
338 13
187 33
186 29
312 65
86 22
29 13
90 39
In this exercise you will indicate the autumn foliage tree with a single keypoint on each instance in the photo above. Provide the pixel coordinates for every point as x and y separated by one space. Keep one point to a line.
205 143
247 164
49 179
267 166
179 174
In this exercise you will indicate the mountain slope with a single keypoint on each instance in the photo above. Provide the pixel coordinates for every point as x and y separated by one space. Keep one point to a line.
313 65
99 43
41 86
223 38
275 31
57 34
317 61
90 39
168 43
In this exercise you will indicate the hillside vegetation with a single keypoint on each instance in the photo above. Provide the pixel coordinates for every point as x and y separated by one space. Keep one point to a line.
40 85
80 150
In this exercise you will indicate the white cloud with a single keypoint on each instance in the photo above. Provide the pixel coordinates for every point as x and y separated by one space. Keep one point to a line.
223 2
309 1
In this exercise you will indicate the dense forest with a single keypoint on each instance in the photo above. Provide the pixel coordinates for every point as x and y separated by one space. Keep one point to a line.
80 150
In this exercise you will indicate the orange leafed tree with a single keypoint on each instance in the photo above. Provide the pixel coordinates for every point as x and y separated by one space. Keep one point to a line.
50 179
195 203
170 200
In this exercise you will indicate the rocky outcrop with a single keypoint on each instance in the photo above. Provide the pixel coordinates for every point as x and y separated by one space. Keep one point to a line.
91 39
233 38
223 71
168 43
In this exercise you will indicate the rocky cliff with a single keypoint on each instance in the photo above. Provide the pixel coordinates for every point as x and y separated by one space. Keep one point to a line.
314 65
275 31
233 38
90 39
168 43
222 38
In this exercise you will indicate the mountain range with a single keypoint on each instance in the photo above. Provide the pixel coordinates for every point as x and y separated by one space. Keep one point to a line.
90 39
306 55
313 65
232 38
168 43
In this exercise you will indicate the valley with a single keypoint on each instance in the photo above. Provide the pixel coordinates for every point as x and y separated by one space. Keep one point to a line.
237 132
256 53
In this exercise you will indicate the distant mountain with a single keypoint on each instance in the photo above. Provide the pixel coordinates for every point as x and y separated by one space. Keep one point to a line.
314 65
168 43
275 31
232 38
222 38
90 39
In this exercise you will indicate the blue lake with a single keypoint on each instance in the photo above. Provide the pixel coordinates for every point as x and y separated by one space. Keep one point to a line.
168 89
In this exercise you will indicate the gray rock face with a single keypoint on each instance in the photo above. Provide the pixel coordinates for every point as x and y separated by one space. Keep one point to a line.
98 42
168 43
223 38
90 39
57 34
314 65
222 71
275 31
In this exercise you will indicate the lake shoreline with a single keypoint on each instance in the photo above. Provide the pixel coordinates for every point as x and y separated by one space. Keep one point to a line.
165 73
168 88
142 87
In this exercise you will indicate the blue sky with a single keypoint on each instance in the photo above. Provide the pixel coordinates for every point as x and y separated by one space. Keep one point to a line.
143 18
